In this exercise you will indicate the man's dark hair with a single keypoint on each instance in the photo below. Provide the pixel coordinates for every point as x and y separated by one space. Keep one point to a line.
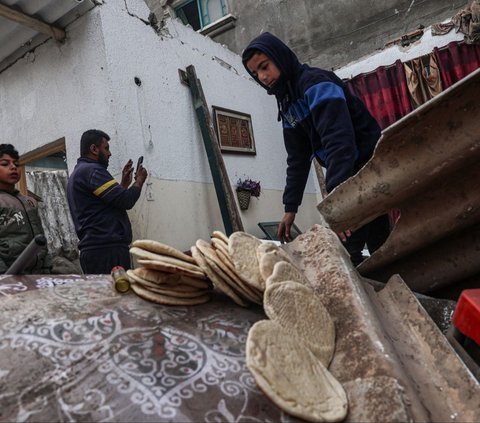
247 55
10 150
92 136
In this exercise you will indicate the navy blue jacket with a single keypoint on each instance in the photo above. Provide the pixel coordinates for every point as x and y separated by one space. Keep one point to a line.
320 117
98 205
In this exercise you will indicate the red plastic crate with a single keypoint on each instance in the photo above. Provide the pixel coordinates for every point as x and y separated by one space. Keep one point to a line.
466 317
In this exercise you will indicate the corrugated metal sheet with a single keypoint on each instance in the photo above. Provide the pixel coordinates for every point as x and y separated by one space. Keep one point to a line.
14 36
426 165
390 357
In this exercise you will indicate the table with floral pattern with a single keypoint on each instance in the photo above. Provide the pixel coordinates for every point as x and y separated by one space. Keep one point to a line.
73 349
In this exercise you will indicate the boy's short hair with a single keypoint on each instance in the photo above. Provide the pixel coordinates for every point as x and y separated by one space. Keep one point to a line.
248 54
92 136
10 150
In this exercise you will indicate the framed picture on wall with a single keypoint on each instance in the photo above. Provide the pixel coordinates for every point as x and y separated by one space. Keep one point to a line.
234 131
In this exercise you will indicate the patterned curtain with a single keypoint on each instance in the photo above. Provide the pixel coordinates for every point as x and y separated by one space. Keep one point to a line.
423 79
56 219
456 61
384 92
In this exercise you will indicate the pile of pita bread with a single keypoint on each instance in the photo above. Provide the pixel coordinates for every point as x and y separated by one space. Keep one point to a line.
289 354
167 276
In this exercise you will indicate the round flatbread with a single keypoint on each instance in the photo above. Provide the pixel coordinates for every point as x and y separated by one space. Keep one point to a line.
159 248
268 255
234 282
226 260
218 244
299 310
166 289
170 268
167 300
148 255
242 250
227 275
217 281
159 278
283 271
291 376
220 235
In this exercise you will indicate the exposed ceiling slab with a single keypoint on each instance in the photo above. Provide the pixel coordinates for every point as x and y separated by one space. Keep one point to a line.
25 24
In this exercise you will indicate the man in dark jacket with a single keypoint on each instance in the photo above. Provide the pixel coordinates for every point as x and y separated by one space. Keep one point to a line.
322 120
99 204
19 218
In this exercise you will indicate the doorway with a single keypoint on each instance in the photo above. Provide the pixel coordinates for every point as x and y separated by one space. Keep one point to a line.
44 176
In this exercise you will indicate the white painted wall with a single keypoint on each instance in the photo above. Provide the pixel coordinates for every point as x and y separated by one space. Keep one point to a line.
88 82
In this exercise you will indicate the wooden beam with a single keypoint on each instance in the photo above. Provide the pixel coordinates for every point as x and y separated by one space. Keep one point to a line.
44 151
320 177
33 23
230 215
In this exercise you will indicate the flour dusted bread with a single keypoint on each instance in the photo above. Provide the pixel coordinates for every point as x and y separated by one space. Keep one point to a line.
284 271
179 290
161 278
220 235
157 298
159 248
170 268
226 274
291 376
299 310
268 255
161 258
218 282
242 249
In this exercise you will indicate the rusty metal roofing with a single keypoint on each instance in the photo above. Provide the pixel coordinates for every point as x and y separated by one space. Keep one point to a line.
15 36
426 165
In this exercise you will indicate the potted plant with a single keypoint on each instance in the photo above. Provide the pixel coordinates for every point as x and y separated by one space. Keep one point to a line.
247 188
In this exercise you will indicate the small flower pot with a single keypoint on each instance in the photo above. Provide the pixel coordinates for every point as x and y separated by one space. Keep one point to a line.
244 199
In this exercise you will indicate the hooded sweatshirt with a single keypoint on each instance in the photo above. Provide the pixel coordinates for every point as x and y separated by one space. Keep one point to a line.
321 119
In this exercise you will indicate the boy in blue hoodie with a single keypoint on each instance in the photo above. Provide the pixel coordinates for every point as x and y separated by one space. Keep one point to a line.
322 120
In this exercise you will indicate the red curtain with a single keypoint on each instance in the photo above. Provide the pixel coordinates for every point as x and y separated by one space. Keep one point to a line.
456 61
384 92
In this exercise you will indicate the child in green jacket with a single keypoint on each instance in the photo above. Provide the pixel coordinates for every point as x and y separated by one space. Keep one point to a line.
19 219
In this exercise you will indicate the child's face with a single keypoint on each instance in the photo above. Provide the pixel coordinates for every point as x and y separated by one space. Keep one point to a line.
9 174
264 69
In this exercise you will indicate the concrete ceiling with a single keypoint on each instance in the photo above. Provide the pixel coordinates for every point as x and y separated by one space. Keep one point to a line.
26 23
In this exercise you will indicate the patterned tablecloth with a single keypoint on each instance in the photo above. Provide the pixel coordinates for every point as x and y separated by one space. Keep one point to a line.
72 349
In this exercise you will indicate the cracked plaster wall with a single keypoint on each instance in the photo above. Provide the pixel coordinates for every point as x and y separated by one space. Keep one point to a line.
331 34
60 90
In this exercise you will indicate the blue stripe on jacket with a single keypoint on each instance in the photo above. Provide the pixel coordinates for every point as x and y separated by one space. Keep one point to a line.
315 96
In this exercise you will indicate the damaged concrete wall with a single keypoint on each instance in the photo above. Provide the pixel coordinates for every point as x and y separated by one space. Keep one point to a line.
331 34
60 90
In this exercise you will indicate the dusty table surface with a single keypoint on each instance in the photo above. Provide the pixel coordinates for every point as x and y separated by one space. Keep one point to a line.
72 349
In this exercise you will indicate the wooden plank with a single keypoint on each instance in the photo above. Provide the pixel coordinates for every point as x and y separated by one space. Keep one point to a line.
321 178
43 151
32 23
39 153
230 215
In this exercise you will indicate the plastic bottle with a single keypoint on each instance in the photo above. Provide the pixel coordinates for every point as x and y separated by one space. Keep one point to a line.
120 279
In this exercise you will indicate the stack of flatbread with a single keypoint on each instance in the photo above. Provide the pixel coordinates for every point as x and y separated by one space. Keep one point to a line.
215 260
167 276
289 354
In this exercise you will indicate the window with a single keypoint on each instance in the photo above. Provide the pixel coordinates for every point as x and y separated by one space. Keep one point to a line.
200 13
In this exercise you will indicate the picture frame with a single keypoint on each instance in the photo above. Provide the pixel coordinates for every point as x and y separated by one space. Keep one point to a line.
234 131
